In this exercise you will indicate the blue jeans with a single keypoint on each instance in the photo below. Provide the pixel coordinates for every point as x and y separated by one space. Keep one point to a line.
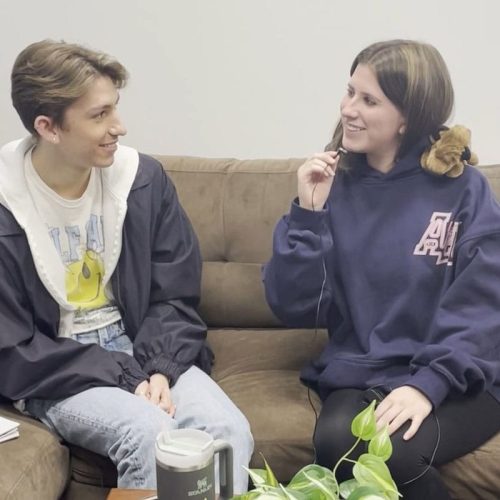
118 424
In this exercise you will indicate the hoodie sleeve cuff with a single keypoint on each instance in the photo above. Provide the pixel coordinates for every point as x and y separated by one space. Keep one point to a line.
433 385
302 218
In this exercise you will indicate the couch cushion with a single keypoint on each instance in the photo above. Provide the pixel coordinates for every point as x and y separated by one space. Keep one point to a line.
475 475
35 465
492 173
239 300
240 351
280 415
259 370
200 184
234 206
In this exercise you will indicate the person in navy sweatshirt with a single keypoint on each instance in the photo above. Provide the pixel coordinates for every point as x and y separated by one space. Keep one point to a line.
396 247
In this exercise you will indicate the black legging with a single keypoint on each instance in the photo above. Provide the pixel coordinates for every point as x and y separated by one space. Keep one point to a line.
457 427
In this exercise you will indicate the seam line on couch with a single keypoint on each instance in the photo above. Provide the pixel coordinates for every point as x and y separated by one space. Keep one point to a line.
23 474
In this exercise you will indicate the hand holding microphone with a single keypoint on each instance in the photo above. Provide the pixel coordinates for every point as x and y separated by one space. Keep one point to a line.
315 178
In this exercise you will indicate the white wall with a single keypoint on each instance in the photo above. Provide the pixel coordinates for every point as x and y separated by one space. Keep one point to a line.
256 78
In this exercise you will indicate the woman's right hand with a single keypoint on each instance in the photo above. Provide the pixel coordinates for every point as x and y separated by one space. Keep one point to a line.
315 178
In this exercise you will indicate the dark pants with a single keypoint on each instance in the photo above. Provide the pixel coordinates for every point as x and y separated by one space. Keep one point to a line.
457 427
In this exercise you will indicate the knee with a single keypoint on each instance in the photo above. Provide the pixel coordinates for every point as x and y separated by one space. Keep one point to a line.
141 432
332 438
406 462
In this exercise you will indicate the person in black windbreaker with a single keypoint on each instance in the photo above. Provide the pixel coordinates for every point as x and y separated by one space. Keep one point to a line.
100 275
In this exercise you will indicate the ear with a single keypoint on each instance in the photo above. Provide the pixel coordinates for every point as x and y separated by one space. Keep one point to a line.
46 129
402 129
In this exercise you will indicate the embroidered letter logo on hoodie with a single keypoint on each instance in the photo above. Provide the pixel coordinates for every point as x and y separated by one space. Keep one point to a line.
439 238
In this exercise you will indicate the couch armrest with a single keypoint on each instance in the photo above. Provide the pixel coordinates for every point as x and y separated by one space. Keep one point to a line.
34 465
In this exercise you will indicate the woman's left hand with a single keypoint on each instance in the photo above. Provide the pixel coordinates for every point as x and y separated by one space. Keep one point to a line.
402 404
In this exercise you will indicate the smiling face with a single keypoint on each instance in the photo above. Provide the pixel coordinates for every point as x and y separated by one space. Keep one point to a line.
91 127
371 123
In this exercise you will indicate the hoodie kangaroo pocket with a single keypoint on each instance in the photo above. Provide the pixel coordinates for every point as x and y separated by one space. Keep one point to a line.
361 373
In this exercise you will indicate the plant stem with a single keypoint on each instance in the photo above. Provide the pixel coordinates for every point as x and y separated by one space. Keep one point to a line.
344 457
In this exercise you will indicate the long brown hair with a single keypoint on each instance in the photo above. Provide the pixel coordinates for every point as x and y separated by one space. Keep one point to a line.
415 78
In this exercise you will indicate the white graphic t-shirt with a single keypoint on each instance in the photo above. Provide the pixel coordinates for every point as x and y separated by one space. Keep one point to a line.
75 227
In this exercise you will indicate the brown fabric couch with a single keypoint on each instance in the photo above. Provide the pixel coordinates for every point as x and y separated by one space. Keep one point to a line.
234 206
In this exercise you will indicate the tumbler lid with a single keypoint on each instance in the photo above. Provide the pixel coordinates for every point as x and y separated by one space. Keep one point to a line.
184 447
184 441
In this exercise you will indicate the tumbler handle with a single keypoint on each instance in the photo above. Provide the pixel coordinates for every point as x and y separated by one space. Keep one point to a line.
225 451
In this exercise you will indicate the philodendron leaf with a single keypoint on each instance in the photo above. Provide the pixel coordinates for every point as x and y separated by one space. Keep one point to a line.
347 487
371 470
364 425
381 445
251 495
258 476
270 495
293 495
366 493
315 482
271 478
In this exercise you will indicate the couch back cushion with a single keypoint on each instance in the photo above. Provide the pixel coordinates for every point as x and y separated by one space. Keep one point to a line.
492 173
234 206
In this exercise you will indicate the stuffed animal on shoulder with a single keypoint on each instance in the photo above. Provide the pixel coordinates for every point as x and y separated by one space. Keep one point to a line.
449 152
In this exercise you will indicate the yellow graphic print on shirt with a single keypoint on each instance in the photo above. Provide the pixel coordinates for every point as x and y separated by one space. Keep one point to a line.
82 249
84 282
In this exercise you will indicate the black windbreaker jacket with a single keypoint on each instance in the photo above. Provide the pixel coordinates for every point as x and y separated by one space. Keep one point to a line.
156 285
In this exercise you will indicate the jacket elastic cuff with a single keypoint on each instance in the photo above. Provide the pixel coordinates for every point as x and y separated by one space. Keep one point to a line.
131 378
432 384
166 367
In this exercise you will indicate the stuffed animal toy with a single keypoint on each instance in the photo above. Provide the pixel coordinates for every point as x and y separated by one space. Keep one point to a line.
449 152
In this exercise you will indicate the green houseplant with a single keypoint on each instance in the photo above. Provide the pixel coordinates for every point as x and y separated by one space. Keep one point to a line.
371 477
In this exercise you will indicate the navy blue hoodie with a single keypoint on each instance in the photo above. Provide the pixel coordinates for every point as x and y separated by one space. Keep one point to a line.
412 293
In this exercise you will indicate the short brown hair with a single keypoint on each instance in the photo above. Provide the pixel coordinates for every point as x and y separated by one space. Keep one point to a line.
48 76
415 78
